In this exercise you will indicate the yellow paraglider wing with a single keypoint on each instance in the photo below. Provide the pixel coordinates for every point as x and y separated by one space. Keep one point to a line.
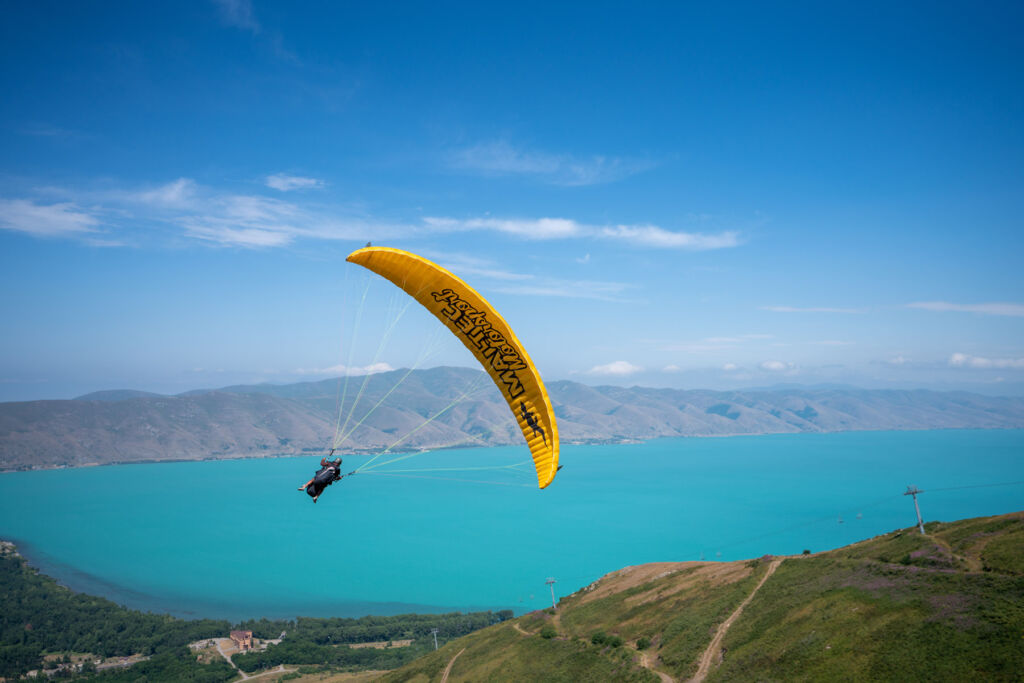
486 334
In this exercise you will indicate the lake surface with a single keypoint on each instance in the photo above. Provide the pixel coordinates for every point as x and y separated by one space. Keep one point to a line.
234 539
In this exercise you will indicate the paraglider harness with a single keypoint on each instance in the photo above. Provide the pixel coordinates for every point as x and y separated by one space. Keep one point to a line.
325 476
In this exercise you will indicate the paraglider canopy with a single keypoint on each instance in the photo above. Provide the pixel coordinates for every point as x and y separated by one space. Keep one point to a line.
486 334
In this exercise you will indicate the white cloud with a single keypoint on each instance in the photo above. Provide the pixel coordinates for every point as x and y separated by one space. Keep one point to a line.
261 220
619 368
46 220
584 259
372 369
534 229
179 193
286 183
813 309
653 236
832 342
239 237
564 228
898 360
962 360
996 308
729 367
672 368
776 366
502 158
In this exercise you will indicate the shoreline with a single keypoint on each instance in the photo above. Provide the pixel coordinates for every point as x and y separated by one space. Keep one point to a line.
575 442
84 583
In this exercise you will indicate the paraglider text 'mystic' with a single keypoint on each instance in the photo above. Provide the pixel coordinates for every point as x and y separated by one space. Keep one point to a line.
493 346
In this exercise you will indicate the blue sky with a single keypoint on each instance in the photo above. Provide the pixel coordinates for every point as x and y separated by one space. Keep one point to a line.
696 196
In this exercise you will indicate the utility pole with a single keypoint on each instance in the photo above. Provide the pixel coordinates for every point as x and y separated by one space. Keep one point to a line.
434 631
551 582
913 491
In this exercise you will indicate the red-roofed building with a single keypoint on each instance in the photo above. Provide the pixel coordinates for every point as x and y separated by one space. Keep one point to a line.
243 639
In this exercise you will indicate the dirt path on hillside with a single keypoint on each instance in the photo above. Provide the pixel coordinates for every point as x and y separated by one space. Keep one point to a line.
647 661
715 648
521 630
448 669
971 555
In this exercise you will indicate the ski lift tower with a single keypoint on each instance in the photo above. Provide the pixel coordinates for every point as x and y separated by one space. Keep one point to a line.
551 582
913 491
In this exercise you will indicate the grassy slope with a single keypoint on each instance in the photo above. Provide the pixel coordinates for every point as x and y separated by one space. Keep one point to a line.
945 606
675 605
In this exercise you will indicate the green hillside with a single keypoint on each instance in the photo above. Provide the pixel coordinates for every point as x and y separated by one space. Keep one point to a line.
947 605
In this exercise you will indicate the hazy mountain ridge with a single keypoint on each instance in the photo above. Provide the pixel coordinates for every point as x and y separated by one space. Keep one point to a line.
466 410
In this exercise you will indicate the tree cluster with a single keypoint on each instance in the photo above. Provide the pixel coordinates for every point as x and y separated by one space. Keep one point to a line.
37 615
322 641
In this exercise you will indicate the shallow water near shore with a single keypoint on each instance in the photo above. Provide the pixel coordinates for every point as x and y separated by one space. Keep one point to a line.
234 539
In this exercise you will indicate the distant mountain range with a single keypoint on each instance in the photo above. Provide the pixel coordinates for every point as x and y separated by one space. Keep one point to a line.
444 407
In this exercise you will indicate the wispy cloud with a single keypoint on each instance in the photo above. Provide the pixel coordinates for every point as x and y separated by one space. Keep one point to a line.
565 228
46 130
810 309
287 183
997 308
712 344
570 289
962 360
528 284
46 220
179 193
533 229
238 13
241 15
618 368
501 158
345 370
262 220
653 236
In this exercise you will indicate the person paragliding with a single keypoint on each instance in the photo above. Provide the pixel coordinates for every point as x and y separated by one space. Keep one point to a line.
329 472
487 335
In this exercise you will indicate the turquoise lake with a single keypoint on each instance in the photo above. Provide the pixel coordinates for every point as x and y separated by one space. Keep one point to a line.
234 539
